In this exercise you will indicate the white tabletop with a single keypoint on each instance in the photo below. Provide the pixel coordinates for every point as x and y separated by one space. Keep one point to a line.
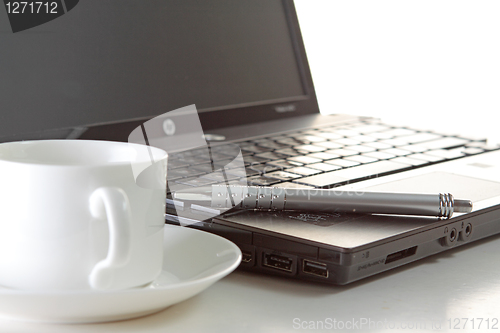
453 291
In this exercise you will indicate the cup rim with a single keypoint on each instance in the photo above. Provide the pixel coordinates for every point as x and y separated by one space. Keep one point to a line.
158 153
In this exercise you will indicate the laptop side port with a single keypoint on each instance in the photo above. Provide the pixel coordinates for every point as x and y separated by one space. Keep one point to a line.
246 256
451 237
277 261
401 254
314 268
466 233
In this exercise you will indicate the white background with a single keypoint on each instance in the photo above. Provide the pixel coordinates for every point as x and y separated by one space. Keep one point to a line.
428 63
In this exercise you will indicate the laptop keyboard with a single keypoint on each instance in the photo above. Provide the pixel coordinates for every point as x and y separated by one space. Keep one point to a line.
321 157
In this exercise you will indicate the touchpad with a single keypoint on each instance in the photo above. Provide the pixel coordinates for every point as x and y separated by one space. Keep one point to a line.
461 187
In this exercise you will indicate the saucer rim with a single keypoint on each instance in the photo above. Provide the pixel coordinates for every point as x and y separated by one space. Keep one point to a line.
145 288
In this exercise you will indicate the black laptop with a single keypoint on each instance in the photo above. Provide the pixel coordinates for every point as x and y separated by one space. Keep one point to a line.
107 67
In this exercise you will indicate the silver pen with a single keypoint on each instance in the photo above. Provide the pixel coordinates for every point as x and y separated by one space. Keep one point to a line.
323 200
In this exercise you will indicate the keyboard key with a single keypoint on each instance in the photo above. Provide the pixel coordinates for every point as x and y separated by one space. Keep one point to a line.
303 171
255 149
228 164
361 159
483 145
445 143
312 138
324 166
414 148
400 132
343 152
261 141
420 137
283 164
217 156
271 156
173 177
184 172
246 153
175 164
292 185
310 148
380 155
193 160
195 181
347 142
261 181
281 175
287 152
381 135
409 161
330 135
378 145
254 160
174 186
329 145
446 153
263 168
220 177
203 168
323 156
277 137
362 149
304 159
192 153
397 152
425 157
394 142
308 138
363 138
247 172
472 150
273 145
343 163
327 179
289 142
313 132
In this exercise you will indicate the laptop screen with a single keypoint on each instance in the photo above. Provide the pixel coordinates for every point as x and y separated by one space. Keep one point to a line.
110 62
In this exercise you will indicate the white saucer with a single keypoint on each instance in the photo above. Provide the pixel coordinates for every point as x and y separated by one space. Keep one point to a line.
193 261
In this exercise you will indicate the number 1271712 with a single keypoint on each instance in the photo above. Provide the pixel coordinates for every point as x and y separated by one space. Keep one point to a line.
32 7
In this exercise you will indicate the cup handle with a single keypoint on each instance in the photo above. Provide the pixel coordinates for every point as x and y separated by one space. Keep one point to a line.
111 203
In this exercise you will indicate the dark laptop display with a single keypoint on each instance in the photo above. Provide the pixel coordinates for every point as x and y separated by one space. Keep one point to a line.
108 66
109 62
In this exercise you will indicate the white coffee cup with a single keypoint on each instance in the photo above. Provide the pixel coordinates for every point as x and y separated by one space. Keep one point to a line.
73 215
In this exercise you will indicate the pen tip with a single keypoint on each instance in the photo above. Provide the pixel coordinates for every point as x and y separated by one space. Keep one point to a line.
462 206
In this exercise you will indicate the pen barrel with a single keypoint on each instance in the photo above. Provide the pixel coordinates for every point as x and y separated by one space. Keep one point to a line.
440 205
331 200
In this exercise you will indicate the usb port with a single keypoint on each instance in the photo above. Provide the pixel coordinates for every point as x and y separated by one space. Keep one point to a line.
314 268
246 256
277 261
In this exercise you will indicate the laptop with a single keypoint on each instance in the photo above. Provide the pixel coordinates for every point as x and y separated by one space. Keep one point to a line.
106 67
